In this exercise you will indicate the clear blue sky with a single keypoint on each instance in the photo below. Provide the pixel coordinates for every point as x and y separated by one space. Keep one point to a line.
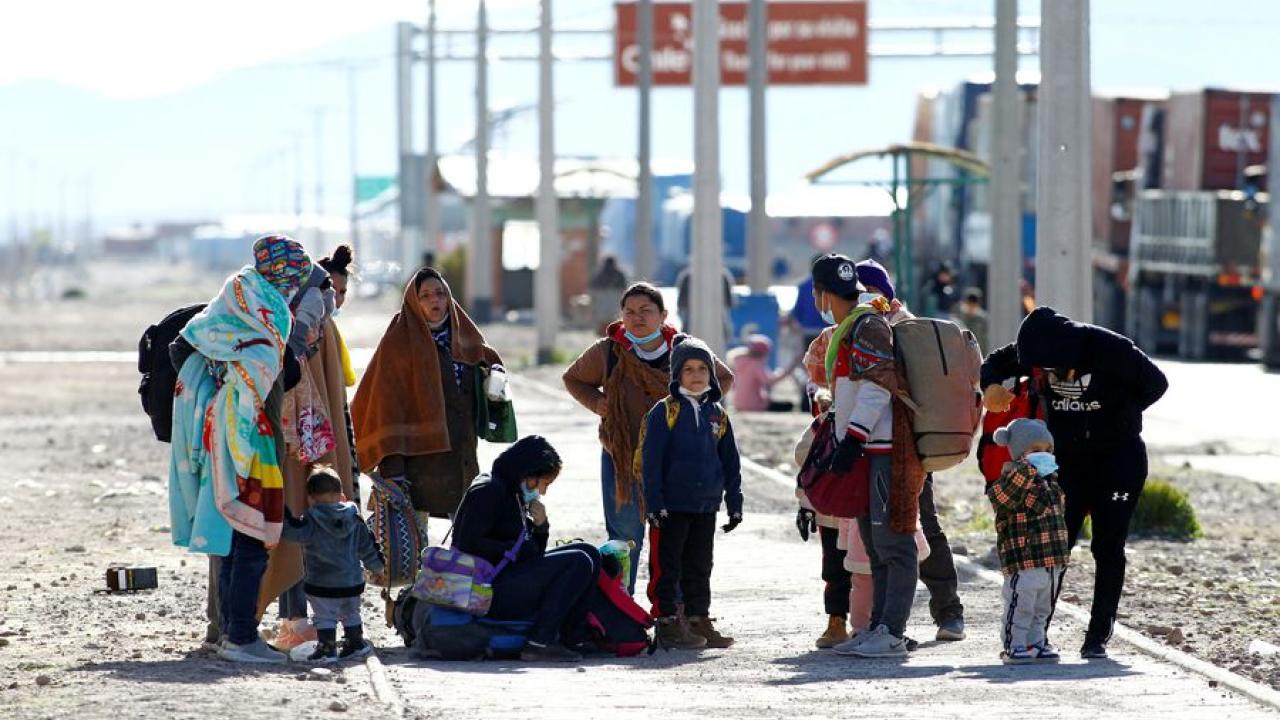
167 114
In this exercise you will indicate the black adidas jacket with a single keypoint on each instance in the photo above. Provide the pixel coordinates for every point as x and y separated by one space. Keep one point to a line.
1100 386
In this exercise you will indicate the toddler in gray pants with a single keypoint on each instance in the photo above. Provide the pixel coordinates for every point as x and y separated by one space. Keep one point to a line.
336 543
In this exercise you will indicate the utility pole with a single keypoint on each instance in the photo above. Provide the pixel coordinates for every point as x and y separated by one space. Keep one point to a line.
410 199
319 121
757 78
353 154
434 242
1063 264
1005 271
705 280
297 184
644 177
547 278
480 263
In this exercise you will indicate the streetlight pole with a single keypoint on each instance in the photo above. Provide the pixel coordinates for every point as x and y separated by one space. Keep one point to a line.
757 79
547 277
707 302
644 177
479 265
1005 269
434 241
1063 264
353 152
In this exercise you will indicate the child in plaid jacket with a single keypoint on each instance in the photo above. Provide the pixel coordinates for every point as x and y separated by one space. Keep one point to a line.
1032 541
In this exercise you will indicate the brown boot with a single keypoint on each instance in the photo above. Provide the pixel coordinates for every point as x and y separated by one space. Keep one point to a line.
835 634
674 635
702 627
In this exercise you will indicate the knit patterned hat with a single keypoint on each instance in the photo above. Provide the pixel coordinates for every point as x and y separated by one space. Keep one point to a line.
1021 433
873 274
282 261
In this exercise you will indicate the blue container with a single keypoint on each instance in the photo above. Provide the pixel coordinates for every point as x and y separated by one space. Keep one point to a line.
755 314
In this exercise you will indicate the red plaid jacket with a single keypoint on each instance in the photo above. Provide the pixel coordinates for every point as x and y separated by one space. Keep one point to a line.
1031 526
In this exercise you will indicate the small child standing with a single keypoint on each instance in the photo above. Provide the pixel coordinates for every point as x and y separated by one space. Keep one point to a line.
689 463
1031 532
335 543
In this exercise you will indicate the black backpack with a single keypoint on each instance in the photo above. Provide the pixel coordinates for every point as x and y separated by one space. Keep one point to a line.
158 375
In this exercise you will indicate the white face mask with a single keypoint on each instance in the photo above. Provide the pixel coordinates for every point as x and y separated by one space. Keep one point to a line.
866 298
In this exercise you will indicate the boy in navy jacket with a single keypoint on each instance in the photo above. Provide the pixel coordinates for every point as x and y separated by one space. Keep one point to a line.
689 462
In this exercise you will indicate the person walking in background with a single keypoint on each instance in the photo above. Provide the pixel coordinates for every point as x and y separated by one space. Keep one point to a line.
620 377
689 461
752 378
606 287
938 568
414 412
970 315
808 324
1094 385
684 301
1031 538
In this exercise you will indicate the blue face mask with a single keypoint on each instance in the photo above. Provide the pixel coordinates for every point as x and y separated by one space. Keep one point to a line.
644 340
866 298
828 317
1044 463
529 494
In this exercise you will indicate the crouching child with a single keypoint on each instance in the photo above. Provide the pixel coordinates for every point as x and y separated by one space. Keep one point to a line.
336 542
1031 532
689 463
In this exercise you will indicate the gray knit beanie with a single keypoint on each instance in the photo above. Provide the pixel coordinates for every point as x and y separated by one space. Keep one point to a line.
1022 432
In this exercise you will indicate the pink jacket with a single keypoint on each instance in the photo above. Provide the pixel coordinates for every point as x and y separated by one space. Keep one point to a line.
751 383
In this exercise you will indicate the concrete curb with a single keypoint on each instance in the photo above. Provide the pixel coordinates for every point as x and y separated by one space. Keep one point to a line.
1255 691
383 691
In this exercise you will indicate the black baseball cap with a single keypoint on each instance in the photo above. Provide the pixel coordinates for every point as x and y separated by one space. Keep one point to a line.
835 274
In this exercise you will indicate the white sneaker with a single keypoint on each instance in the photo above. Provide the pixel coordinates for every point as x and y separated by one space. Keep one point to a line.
1045 652
881 644
1018 656
856 639
257 651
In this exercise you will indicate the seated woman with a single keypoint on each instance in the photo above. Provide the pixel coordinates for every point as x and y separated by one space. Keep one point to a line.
549 587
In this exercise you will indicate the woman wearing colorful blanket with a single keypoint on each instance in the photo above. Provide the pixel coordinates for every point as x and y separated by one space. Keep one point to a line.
619 378
503 514
414 412
226 490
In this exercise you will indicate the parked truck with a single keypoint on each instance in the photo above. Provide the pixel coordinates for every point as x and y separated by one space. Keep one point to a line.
1193 271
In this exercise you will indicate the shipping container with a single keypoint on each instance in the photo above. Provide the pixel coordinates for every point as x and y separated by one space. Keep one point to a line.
1212 136
1118 124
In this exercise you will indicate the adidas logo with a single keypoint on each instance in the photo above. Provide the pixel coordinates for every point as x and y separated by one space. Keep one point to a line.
1069 405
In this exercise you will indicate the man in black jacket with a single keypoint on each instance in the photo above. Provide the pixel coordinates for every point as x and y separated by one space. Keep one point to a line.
1094 385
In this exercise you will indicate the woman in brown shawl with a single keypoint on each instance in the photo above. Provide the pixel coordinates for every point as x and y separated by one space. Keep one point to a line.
619 378
414 411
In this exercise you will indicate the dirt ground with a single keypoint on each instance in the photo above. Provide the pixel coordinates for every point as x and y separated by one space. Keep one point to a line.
83 486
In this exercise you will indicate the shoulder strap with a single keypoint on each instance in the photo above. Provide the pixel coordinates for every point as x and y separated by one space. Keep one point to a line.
673 411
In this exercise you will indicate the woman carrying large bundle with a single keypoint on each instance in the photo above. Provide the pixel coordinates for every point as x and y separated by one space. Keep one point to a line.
414 412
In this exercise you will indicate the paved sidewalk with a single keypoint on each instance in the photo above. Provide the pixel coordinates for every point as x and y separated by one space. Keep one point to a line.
767 593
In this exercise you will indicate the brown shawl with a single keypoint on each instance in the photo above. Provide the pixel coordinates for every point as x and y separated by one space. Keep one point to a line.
619 433
398 408
284 565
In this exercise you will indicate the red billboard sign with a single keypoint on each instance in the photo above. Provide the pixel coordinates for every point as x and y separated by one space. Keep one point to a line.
810 43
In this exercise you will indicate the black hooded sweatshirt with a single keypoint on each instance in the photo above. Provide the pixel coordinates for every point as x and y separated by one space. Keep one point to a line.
493 513
1100 384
